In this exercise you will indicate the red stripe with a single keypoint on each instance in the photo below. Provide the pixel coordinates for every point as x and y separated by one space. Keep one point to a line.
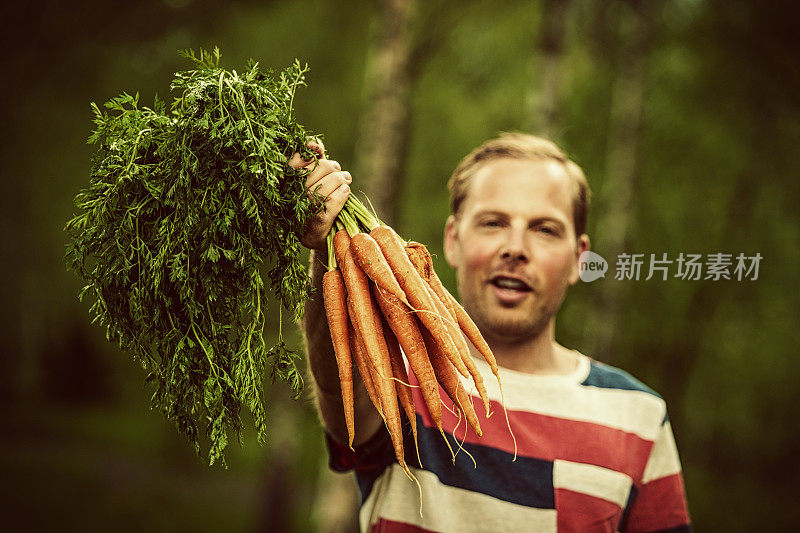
659 504
581 513
546 437
390 526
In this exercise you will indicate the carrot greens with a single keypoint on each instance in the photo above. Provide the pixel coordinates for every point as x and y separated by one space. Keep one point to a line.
187 211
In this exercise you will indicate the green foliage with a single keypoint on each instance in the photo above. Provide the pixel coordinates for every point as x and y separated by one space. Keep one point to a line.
182 210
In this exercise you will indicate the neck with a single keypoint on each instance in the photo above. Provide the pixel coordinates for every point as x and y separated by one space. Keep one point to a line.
536 355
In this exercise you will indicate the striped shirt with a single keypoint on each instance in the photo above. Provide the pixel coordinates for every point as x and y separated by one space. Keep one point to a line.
595 452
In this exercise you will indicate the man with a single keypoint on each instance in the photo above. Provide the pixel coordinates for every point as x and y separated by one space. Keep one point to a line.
592 448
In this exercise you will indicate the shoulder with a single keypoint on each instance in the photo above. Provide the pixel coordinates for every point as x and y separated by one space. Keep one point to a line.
619 391
606 376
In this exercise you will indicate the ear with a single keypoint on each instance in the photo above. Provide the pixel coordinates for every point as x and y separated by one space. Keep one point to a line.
581 246
450 243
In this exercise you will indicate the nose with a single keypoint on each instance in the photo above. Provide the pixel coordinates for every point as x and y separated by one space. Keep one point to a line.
515 248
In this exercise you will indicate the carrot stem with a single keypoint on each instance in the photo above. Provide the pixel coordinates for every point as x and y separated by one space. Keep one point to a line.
332 264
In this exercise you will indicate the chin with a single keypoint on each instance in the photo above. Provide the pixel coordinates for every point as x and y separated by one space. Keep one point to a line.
509 324
516 331
515 328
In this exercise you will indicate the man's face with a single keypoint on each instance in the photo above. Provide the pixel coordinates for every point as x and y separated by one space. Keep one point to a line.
514 248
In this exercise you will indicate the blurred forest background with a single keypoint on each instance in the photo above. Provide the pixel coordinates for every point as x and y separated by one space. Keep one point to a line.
685 115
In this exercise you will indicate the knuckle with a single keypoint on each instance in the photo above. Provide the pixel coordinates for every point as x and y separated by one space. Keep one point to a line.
342 192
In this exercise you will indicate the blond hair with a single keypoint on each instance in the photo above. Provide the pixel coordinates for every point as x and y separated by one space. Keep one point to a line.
521 146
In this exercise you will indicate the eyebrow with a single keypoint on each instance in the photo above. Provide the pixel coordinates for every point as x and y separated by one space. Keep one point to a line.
538 220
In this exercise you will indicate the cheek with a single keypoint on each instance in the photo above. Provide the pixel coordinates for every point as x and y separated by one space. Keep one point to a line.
477 255
557 266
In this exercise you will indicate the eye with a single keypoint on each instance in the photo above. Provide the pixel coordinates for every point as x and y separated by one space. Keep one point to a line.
490 223
548 230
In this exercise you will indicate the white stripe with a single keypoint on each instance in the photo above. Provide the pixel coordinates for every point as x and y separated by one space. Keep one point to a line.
664 459
632 411
446 508
592 480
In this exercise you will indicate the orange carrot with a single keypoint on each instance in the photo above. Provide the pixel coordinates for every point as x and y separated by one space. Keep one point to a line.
418 254
415 288
369 331
360 356
401 377
463 350
423 262
370 258
448 379
335 299
341 242
405 328
452 330
474 335
401 384
366 324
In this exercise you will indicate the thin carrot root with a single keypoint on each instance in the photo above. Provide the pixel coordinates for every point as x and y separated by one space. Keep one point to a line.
459 447
460 444
454 411
448 444
413 478
403 383
508 422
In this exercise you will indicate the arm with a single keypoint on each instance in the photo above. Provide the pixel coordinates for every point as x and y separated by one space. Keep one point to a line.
660 503
329 181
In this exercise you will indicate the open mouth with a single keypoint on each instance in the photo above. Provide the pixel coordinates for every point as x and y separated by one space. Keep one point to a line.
510 284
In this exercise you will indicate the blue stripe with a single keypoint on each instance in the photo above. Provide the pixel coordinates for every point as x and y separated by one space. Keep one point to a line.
677 529
623 522
608 377
526 481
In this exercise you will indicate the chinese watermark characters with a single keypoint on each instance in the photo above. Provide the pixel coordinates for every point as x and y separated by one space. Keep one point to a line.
691 267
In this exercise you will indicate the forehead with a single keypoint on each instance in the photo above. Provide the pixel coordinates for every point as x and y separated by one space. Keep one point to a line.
531 188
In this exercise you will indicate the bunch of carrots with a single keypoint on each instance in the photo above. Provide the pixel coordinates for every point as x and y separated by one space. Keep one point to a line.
383 299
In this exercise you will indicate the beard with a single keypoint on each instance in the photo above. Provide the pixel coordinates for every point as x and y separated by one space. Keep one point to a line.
510 324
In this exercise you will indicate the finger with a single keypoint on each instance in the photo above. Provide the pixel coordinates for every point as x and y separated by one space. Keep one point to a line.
322 222
316 146
336 200
298 161
324 167
325 186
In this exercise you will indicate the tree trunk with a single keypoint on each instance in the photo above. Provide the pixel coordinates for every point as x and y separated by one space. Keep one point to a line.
380 158
547 72
625 124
